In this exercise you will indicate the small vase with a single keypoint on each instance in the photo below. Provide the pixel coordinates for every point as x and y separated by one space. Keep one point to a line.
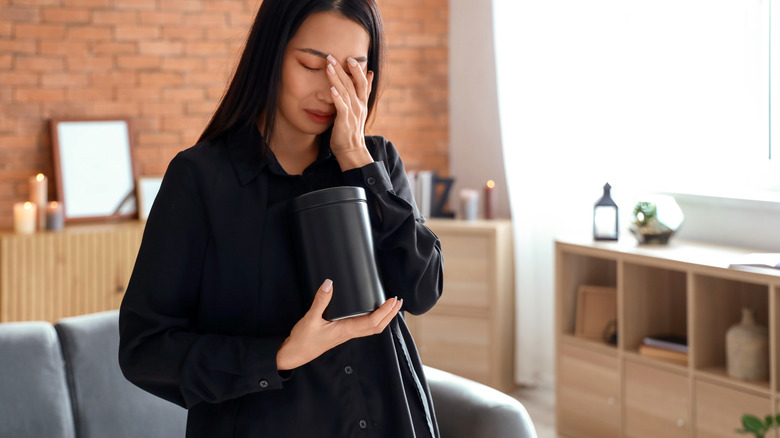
747 349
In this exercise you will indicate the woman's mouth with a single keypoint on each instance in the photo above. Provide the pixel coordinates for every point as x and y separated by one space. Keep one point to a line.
320 117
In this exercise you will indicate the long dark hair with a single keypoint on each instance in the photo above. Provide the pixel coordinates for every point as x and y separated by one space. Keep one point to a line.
253 91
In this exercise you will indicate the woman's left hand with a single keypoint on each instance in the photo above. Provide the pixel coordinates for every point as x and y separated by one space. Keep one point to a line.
350 91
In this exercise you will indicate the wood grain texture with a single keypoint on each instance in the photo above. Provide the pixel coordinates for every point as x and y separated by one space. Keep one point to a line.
51 275
720 408
588 394
470 331
657 403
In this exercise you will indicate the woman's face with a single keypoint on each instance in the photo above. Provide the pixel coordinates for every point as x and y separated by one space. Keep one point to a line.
305 106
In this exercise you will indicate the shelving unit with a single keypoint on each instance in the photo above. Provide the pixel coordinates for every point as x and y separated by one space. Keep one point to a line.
683 288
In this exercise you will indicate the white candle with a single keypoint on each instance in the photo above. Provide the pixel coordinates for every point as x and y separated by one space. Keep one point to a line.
25 217
54 216
469 199
39 186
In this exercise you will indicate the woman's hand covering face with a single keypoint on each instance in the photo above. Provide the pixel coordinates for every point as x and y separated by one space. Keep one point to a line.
350 88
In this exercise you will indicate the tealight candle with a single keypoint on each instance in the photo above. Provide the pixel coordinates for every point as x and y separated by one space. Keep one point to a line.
39 186
25 217
490 199
54 216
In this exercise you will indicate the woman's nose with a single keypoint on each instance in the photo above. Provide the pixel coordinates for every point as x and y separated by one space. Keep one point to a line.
323 91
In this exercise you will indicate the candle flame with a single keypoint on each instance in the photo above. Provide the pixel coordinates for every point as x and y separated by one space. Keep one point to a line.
491 184
27 205
40 177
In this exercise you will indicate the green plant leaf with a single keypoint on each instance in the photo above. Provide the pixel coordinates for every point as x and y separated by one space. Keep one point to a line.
753 424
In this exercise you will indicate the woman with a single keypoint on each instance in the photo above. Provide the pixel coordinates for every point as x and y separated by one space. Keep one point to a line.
216 318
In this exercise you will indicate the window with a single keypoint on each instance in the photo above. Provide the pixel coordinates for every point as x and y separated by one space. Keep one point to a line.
678 89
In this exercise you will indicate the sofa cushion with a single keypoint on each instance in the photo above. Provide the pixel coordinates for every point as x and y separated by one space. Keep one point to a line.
104 403
34 395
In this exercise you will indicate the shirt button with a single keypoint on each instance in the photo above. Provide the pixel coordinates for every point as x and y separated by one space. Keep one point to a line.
348 369
370 180
363 424
263 383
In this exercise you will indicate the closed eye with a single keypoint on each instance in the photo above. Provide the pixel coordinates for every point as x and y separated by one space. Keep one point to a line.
310 68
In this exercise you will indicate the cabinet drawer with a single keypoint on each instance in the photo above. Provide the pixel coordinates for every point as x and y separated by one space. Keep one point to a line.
588 396
719 410
457 344
657 402
469 271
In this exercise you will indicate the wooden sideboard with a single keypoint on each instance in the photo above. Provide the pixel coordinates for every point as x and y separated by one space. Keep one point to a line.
470 331
612 390
81 269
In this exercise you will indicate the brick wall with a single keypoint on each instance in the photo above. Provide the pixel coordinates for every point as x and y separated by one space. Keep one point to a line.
165 64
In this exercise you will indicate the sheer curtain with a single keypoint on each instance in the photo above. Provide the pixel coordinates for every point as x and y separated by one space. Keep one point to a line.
665 95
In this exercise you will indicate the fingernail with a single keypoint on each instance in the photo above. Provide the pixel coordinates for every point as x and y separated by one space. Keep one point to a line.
334 91
352 62
327 285
331 60
331 70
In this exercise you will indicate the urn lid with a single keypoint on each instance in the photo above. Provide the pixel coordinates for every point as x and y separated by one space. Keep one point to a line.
331 195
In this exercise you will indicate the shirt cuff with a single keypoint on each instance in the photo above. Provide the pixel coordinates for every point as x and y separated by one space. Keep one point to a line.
262 373
372 177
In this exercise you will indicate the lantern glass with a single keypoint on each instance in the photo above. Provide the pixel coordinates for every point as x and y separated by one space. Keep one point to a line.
605 217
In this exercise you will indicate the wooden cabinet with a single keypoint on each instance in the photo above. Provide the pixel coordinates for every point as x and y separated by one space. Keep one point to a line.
470 331
656 402
588 394
718 405
683 288
51 275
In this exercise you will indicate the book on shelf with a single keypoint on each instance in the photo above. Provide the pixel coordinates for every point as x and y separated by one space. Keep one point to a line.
677 357
769 260
668 342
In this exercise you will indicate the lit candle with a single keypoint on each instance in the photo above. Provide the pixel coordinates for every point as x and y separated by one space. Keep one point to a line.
54 216
490 199
39 186
25 216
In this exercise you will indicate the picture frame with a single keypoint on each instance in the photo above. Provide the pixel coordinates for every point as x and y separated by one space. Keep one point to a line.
94 166
596 310
147 188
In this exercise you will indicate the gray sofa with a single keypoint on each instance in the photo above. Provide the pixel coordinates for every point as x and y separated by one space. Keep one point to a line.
63 381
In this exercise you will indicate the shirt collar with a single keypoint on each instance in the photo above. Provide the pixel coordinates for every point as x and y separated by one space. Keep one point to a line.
244 147
323 155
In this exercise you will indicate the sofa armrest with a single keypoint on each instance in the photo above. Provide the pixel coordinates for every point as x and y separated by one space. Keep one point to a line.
465 408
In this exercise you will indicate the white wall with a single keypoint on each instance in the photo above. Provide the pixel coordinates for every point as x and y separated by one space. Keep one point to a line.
475 137
588 95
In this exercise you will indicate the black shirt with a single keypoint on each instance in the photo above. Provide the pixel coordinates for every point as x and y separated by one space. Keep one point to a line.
216 289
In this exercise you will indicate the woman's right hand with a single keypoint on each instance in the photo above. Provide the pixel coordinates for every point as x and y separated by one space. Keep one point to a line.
314 335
